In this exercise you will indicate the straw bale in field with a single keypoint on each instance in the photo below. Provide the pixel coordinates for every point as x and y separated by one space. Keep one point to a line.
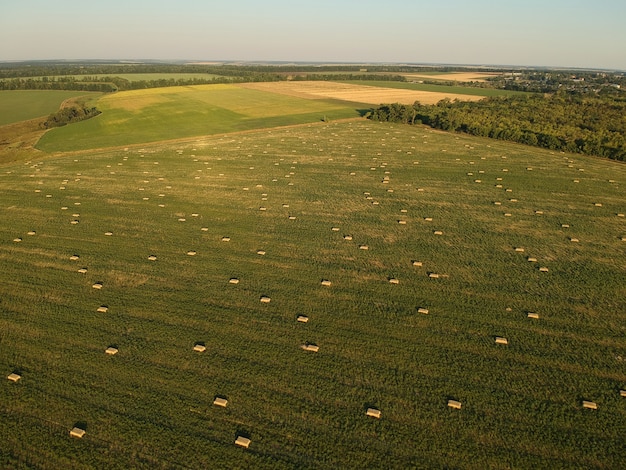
573 240
310 347
302 319
32 232
532 260
564 225
501 340
598 204
590 405
97 285
335 229
364 247
82 270
264 299
543 269
438 232
374 413
422 310
417 263
454 404
17 240
152 258
262 208
199 347
14 377
225 239
428 219
103 309
507 214
292 217
433 275
622 393
111 350
393 280
77 432
223 402
532 315
326 283
347 237
260 252
402 222
519 249
242 442
191 253
74 222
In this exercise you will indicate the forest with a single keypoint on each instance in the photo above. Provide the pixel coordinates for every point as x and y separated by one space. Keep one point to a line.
586 124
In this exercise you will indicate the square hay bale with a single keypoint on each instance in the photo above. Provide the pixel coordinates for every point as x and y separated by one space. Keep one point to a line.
32 232
564 225
433 275
74 257
302 319
14 377
531 259
532 315
260 252
438 232
292 217
262 208
519 249
393 280
265 299
310 347
17 240
82 270
364 247
152 258
347 237
402 222
573 240
326 283
97 285
428 219
191 253
591 405
374 413
456 405
77 432
543 269
507 214
111 350
225 239
335 229
497 203
417 263
622 393
501 340
108 234
199 347
233 280
222 402
242 442
598 204
403 211
422 310
102 309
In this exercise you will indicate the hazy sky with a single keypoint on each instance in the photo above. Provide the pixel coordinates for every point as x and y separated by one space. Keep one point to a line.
576 33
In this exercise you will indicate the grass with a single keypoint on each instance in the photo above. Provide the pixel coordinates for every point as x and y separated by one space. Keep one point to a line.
180 112
23 105
462 90
521 403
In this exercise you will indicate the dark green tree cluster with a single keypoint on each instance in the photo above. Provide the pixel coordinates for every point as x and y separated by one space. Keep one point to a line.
68 115
588 125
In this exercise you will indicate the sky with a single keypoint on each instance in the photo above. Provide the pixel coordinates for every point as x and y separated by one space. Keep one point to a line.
551 33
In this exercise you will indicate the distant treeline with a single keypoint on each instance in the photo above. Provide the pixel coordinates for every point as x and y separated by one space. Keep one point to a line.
572 123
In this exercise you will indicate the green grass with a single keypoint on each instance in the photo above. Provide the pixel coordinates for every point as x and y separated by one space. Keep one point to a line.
180 112
150 405
462 90
21 105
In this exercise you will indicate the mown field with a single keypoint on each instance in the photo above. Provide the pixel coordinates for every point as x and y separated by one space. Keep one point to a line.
22 105
466 204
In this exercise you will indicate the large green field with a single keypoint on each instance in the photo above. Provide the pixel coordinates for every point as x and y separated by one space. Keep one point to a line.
139 116
468 207
21 105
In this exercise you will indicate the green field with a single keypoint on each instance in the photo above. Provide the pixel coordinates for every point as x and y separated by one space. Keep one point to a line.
139 116
21 105
150 405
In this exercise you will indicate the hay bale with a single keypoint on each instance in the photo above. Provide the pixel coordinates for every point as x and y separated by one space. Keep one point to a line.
14 377
622 393
242 442
335 229
590 405
347 237
262 208
507 214
82 270
598 204
532 260
364 247
393 280
199 347
437 232
77 432
219 401
191 253
326 283
17 240
373 412
260 252
292 217
111 350
428 219
497 203
402 222
102 309
310 347
501 340
543 269
265 299
302 319
564 225
233 280
225 239
573 240
422 310
532 315
417 263
108 234
454 404
31 233
433 275
152 258
97 285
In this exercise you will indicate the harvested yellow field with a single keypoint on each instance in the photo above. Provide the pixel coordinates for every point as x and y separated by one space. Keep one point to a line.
355 93
453 77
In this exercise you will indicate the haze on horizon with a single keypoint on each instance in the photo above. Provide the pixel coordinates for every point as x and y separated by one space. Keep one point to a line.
557 33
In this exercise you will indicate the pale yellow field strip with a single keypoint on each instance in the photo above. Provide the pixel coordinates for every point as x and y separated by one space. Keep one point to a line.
355 93
454 77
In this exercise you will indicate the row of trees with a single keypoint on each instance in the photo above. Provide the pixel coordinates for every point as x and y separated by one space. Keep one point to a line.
589 125
70 114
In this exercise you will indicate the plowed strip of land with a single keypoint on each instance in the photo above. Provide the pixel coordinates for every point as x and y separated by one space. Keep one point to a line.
355 93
